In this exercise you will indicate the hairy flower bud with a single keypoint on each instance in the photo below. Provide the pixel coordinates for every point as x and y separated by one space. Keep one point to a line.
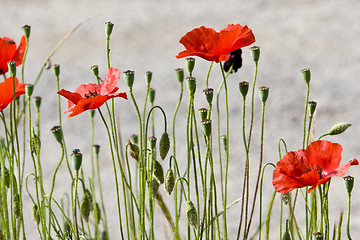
158 171
169 181
339 128
85 207
191 214
164 145
35 214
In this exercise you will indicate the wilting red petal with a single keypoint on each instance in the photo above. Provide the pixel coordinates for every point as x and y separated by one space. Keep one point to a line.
341 170
71 96
215 46
20 51
110 81
7 91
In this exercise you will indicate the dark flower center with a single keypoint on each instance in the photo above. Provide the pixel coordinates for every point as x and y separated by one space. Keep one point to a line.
10 42
90 94
235 60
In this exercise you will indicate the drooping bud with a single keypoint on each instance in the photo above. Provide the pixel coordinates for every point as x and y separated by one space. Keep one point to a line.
134 150
190 64
349 183
129 78
108 28
56 68
191 84
286 235
206 126
6 176
35 214
306 75
318 236
151 95
12 68
263 93
255 53
164 145
339 128
169 181
58 134
96 212
158 172
76 159
312 107
95 69
148 76
105 235
27 31
29 89
85 208
16 204
191 214
209 93
154 186
179 74
152 142
244 88
203 113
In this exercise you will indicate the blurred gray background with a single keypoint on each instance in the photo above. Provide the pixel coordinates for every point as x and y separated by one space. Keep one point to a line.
320 35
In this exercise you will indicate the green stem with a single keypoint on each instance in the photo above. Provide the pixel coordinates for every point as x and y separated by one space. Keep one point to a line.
348 218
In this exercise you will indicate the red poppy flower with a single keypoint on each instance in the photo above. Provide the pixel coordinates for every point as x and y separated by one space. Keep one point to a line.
92 96
9 52
311 167
215 46
7 91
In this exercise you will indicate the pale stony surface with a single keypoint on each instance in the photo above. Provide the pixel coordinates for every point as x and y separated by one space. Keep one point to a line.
320 35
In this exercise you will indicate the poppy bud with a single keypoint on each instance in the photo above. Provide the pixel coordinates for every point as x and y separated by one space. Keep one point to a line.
169 181
96 212
134 138
306 75
339 128
67 228
164 145
56 68
35 214
37 102
88 194
16 205
95 69
191 214
206 126
108 28
244 88
312 107
85 208
12 68
129 78
96 149
255 53
58 133
158 172
27 30
349 183
203 113
263 93
209 93
76 159
190 64
180 74
224 141
318 236
151 95
29 89
148 76
134 150
7 176
154 186
191 84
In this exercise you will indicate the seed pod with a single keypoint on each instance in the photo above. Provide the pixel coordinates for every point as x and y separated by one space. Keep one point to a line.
191 214
169 181
96 212
164 145
349 183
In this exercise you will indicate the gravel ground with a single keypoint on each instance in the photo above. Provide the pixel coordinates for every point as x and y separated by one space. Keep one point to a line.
320 35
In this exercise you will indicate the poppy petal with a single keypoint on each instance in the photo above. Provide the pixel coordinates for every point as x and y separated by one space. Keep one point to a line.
110 81
7 50
341 170
7 91
88 103
20 51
